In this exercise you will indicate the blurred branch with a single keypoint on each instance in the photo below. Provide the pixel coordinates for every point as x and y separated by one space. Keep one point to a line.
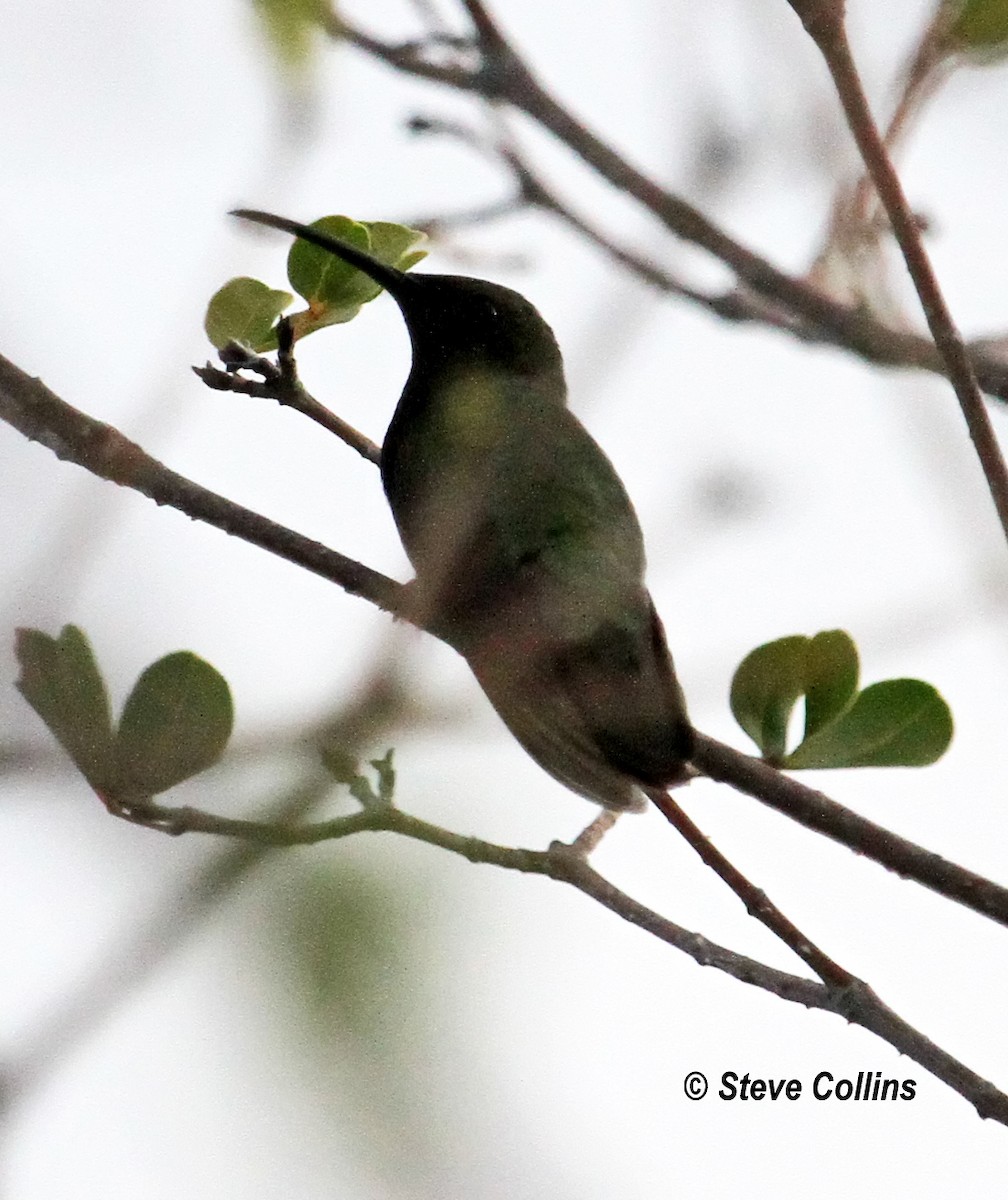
927 69
531 191
824 22
491 68
28 405
842 994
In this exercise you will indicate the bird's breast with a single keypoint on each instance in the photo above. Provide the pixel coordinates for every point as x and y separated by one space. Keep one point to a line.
446 441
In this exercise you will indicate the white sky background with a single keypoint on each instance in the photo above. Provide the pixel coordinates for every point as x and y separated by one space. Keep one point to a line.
554 1038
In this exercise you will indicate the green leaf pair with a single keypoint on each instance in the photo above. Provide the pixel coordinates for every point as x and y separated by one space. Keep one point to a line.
897 723
246 310
175 723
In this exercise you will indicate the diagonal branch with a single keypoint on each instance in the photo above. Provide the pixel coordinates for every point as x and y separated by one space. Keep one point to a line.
28 405
758 903
844 994
813 315
817 811
824 21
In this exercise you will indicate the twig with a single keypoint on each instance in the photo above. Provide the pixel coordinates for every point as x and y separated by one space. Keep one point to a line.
846 995
561 861
816 316
28 405
817 811
824 22
533 192
279 381
923 75
757 903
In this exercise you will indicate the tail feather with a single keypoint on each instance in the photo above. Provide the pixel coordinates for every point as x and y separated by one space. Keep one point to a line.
605 716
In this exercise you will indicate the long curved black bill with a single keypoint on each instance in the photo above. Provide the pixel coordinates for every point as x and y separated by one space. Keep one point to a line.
397 283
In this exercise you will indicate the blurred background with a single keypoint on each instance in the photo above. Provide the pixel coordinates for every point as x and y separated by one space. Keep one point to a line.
377 1018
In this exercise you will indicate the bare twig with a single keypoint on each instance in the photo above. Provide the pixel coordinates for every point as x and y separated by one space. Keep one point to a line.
279 381
757 903
824 21
845 995
812 314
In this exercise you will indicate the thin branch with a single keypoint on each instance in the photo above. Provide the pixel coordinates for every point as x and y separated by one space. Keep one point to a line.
926 70
817 811
565 862
824 21
73 436
28 405
846 995
533 192
815 316
758 903
279 381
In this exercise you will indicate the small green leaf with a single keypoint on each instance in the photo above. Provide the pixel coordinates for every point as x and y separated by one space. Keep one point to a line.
901 722
176 723
396 245
897 723
765 689
61 681
831 677
245 310
978 25
336 291
324 280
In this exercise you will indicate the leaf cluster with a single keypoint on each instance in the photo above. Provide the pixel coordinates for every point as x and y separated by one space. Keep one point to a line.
175 723
247 310
895 723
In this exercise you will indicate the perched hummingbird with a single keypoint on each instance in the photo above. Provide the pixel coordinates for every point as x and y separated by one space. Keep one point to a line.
528 554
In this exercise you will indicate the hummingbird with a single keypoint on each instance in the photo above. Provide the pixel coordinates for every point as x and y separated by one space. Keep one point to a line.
527 552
